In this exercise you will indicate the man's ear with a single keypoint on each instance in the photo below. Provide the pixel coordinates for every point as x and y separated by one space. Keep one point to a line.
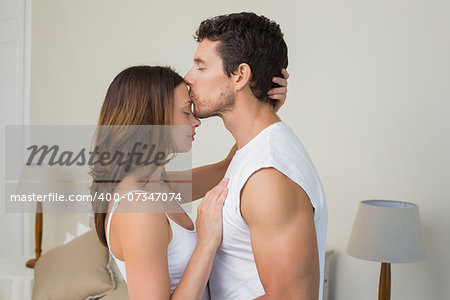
242 76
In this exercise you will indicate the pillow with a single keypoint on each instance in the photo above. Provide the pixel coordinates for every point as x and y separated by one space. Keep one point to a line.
76 270
120 293
112 265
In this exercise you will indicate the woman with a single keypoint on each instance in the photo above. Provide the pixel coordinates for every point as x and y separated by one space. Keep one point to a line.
165 255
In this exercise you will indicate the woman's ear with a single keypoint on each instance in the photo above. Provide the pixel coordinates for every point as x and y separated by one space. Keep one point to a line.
242 76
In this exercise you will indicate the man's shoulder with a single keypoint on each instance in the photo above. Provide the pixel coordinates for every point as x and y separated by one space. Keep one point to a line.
269 192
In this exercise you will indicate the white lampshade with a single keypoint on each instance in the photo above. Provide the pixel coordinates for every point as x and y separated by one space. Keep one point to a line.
387 231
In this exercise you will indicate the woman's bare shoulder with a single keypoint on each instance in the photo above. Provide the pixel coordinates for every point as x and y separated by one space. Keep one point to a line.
136 219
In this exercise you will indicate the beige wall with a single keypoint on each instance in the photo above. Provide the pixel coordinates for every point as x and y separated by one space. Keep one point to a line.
368 96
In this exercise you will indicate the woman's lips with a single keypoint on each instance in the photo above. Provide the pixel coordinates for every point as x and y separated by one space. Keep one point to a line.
191 136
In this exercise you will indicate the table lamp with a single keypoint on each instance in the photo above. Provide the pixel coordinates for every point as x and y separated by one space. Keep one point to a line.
40 180
388 232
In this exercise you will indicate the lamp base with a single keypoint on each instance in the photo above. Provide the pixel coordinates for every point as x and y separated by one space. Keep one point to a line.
384 291
38 236
31 263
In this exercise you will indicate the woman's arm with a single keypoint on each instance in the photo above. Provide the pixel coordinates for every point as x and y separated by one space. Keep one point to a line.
204 178
209 235
143 239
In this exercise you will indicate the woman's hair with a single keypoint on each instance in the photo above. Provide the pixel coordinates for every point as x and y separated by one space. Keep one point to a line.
140 95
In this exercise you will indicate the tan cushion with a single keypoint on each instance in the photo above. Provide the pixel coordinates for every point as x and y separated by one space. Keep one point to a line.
112 265
120 293
77 270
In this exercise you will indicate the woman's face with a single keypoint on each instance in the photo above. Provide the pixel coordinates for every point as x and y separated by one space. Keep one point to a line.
182 115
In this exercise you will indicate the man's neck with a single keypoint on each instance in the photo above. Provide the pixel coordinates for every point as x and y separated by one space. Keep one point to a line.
248 118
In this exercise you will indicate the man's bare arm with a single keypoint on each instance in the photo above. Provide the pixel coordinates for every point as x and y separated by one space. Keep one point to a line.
281 221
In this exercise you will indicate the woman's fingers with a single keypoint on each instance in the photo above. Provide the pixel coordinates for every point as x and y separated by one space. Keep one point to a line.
285 74
280 81
219 191
280 97
209 217
220 202
214 193
278 91
220 187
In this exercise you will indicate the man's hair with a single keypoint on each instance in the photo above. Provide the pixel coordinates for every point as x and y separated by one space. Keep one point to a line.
248 38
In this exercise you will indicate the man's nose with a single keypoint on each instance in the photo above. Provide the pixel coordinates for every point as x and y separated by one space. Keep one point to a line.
187 77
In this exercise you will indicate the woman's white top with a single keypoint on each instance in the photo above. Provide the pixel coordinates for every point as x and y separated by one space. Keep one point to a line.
179 250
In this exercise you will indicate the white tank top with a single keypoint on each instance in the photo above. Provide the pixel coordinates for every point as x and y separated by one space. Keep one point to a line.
234 274
179 250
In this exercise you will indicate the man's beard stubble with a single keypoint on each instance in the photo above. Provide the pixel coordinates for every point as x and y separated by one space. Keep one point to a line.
223 104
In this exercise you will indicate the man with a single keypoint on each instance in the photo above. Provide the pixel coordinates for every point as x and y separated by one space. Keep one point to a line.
275 215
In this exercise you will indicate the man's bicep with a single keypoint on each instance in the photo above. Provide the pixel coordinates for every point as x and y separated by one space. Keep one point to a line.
281 221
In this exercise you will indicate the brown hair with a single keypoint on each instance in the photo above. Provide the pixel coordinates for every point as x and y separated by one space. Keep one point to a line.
140 95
